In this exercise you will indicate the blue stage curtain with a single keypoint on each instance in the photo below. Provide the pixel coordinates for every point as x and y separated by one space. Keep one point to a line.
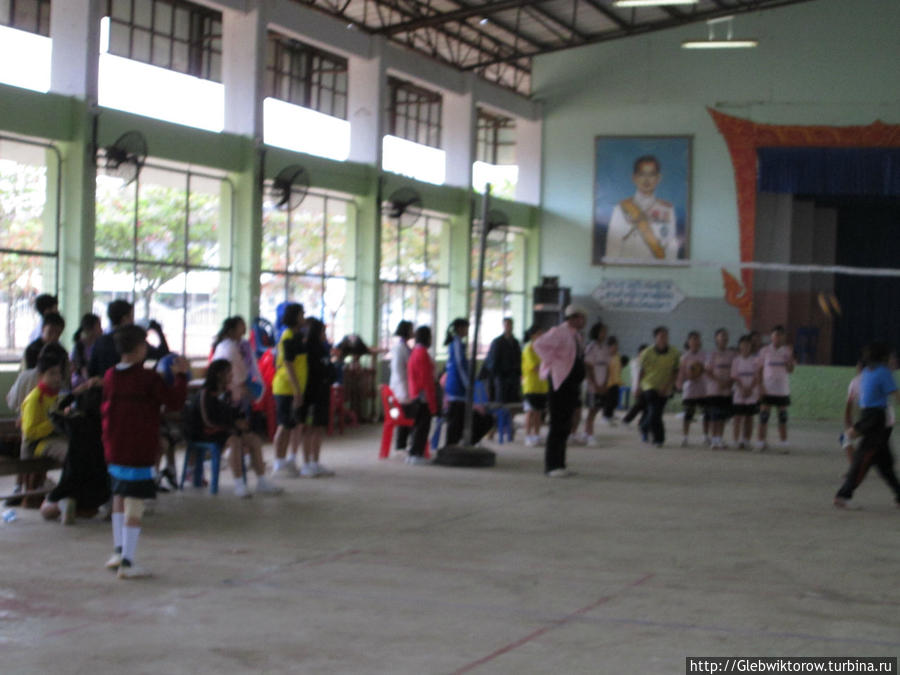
830 171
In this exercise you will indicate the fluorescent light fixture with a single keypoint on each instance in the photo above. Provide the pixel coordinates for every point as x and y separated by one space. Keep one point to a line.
719 44
652 3
714 42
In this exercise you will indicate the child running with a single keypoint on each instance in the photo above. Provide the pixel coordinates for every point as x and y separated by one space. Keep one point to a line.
692 385
613 381
132 398
745 395
876 386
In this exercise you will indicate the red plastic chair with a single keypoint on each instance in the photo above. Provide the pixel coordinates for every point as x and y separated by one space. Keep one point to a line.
393 417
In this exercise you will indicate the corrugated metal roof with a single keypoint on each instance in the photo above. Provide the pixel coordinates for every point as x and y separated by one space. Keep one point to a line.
497 39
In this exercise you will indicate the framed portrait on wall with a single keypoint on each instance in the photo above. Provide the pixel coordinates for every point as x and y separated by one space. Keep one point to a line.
642 188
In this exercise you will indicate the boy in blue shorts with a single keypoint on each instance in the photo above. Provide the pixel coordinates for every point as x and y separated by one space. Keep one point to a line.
876 387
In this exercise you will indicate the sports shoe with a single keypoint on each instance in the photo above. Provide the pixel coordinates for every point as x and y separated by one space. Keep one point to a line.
684 442
322 471
14 500
417 460
760 446
264 487
286 470
846 504
132 571
241 491
531 441
783 448
590 440
308 471
560 473
114 562
707 441
67 507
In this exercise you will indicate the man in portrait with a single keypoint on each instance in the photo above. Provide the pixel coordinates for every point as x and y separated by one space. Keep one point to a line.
642 226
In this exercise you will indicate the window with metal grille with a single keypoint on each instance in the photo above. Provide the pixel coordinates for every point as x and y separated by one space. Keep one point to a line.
496 139
414 113
504 283
164 242
303 75
308 256
29 235
29 15
414 273
172 34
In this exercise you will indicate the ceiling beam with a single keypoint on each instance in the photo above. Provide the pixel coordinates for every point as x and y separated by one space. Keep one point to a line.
640 29
458 15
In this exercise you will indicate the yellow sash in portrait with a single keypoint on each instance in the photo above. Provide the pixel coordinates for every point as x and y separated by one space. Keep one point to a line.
641 223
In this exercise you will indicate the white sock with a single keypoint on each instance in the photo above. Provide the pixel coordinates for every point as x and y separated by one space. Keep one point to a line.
118 525
130 540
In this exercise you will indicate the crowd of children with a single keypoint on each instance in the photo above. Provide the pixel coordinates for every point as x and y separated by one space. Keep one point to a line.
125 403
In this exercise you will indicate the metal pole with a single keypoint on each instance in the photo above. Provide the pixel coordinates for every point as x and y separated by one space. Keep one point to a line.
470 391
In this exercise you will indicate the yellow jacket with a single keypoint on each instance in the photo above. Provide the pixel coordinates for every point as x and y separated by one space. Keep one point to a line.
531 381
36 423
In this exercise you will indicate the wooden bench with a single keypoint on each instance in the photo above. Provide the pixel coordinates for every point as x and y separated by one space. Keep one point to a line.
28 469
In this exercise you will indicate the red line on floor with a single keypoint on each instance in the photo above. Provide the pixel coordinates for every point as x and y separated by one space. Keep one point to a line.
546 629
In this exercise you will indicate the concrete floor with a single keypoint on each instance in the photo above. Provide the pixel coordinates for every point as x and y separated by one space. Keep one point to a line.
646 557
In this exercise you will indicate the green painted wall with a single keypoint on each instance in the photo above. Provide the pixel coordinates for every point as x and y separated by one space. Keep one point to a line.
827 62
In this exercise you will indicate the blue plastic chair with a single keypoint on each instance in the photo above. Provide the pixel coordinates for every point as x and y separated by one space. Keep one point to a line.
198 450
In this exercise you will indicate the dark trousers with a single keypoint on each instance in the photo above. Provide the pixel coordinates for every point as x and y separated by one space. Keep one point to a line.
401 436
652 425
610 401
456 418
418 410
562 404
874 449
639 408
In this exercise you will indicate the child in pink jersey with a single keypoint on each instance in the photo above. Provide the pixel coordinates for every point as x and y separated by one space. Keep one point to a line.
776 363
745 394
692 383
718 392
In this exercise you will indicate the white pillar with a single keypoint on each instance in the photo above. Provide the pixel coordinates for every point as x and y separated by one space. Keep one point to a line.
75 55
243 68
528 157
366 103
458 137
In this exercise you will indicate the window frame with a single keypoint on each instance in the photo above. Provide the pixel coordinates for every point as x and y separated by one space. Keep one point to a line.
487 132
41 24
507 292
287 274
307 64
185 266
57 188
202 54
385 329
404 95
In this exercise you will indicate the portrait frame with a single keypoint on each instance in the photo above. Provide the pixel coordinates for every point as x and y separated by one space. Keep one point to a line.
632 224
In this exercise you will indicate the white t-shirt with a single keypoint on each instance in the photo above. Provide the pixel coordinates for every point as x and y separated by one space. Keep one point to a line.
691 389
230 350
596 356
400 352
743 372
853 396
718 368
774 363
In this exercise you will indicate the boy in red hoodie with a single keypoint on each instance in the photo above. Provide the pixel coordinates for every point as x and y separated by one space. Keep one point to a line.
132 397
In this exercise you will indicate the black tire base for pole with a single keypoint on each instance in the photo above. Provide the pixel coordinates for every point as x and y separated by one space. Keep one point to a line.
460 455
